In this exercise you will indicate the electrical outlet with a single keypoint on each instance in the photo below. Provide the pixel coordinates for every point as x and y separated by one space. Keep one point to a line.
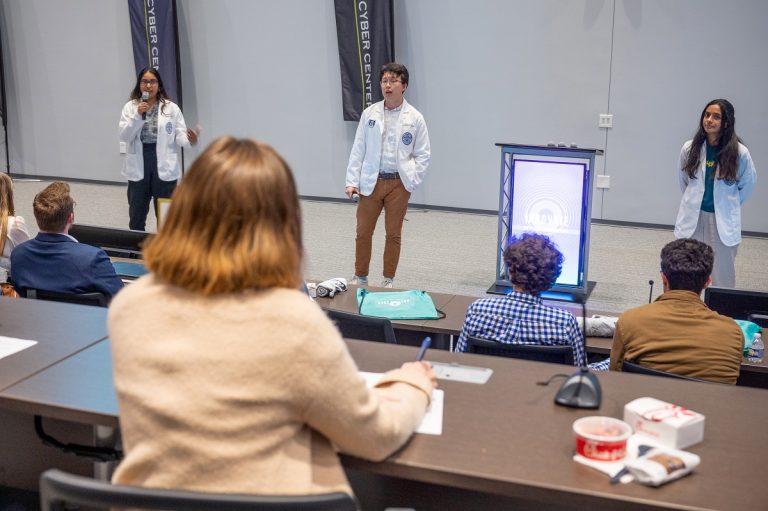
603 182
605 121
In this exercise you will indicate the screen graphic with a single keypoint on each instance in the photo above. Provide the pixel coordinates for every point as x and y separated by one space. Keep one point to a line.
547 199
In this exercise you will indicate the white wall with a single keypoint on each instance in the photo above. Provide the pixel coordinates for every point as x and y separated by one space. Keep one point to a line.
526 71
669 60
68 71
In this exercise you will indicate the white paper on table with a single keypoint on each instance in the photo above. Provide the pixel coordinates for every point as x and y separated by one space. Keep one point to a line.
11 345
432 424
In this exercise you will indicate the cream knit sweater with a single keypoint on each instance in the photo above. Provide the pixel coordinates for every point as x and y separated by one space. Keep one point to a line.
245 393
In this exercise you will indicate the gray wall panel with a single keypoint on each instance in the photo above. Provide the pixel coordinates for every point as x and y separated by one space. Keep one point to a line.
501 71
69 70
269 70
669 60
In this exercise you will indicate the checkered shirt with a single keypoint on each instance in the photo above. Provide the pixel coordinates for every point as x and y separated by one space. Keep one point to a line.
603 365
520 318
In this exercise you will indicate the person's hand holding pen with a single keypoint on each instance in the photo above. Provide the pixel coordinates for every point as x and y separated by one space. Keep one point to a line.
420 365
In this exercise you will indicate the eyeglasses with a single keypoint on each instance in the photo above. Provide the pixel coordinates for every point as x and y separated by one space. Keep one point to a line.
387 81
149 82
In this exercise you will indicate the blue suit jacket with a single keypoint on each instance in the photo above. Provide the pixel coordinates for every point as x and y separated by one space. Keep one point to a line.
55 262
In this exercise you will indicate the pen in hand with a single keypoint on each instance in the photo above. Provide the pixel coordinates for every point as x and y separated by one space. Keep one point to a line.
423 350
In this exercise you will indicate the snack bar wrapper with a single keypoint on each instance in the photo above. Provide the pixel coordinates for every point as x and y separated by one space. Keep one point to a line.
661 465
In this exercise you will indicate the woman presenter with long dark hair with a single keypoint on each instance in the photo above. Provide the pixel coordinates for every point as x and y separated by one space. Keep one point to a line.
152 133
716 177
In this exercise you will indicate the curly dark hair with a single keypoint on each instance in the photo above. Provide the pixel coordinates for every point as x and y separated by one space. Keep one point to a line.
687 264
533 262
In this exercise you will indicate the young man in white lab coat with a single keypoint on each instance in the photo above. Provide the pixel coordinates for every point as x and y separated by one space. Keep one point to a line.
389 158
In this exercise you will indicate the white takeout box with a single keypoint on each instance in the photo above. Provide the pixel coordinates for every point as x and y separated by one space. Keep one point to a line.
670 425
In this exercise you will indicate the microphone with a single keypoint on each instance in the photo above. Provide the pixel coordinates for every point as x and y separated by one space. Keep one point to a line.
144 98
582 389
650 294
355 197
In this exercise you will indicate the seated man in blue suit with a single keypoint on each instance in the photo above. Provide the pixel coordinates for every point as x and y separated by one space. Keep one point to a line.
54 260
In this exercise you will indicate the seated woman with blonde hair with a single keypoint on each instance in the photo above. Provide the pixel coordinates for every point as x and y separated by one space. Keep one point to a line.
228 378
13 230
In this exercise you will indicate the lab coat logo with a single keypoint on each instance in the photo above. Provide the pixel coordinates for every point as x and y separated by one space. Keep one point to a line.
371 123
407 138
169 127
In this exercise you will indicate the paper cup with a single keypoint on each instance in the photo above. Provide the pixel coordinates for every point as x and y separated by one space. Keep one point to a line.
601 438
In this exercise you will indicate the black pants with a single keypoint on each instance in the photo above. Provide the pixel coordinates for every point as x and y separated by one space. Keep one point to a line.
140 193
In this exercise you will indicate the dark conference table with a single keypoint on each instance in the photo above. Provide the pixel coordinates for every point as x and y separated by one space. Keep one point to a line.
504 443
61 330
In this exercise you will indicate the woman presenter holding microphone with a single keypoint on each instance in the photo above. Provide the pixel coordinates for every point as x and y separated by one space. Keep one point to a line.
152 131
716 177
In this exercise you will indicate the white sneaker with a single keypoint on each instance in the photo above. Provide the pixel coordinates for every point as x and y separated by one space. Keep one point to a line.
359 281
388 283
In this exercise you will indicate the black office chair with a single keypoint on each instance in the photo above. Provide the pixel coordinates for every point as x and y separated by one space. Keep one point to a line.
632 367
94 298
366 328
115 242
537 352
59 489
759 319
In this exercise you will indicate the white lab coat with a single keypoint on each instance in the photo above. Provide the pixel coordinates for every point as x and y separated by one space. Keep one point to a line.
171 136
728 196
413 150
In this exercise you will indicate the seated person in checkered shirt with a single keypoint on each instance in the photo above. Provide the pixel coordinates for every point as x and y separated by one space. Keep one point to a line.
520 318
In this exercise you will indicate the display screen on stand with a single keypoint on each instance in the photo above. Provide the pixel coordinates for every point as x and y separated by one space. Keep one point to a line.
547 198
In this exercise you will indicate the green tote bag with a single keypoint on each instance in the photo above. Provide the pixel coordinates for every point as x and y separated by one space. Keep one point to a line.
413 304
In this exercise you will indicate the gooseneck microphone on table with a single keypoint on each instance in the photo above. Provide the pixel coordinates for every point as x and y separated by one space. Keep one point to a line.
582 389
650 293
144 98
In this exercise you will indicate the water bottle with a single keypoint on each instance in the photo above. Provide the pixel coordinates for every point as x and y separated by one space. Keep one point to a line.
757 349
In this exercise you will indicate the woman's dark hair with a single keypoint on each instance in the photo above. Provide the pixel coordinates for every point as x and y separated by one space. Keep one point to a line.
727 157
161 94
687 264
534 262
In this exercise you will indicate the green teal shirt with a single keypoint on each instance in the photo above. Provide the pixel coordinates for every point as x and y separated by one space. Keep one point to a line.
708 202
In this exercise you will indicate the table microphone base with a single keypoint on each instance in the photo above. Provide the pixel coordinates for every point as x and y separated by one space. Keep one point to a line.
580 390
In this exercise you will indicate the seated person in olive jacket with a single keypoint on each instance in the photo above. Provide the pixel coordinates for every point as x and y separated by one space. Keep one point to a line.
54 260
678 333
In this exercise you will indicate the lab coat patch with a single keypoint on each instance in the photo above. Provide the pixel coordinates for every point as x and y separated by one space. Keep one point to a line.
407 138
371 123
169 127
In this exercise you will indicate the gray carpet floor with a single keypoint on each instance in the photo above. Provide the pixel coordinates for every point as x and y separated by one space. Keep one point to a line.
444 252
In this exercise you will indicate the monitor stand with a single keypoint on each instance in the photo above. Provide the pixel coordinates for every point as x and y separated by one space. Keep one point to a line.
558 295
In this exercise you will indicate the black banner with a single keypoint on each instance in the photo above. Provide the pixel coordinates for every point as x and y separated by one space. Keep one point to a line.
365 32
155 41
4 155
